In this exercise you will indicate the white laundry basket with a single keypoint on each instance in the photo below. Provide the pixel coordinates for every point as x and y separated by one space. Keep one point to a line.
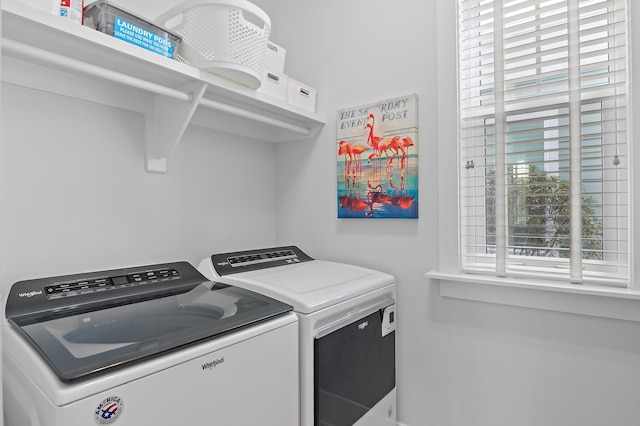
224 37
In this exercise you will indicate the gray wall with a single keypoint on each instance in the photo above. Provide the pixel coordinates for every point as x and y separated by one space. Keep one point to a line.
77 197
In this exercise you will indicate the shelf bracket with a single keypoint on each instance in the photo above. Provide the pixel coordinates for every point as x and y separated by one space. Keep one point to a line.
166 124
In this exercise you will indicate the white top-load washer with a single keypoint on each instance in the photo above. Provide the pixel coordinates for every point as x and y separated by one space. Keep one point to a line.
347 330
149 345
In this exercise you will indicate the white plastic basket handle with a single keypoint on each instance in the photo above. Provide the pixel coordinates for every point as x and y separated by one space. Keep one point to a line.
174 16
273 77
172 22
251 20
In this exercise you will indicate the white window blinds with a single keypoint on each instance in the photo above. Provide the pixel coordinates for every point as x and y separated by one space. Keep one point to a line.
543 139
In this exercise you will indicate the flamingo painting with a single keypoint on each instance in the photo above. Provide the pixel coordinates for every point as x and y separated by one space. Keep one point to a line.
385 185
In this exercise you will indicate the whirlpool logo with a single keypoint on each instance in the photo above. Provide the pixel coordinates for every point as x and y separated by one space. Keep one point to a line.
212 364
31 293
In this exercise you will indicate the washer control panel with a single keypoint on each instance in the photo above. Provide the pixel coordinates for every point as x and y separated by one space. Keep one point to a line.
93 285
34 299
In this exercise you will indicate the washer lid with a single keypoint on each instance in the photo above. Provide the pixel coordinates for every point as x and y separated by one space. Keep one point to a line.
312 285
78 342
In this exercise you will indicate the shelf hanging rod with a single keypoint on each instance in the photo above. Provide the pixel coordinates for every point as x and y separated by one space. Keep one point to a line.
219 106
25 50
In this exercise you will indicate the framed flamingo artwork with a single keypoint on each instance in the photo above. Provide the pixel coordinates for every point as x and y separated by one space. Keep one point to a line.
377 147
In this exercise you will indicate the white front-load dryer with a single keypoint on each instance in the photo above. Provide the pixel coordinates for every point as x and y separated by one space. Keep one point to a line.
347 320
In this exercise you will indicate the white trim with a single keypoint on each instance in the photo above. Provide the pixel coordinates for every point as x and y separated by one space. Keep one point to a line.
599 301
500 176
575 142
630 145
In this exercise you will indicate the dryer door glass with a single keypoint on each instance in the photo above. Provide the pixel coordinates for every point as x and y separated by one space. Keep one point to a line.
354 368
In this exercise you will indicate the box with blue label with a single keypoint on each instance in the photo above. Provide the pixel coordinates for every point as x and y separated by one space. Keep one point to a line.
110 19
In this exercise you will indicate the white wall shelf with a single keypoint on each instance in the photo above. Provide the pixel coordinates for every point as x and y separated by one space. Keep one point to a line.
45 52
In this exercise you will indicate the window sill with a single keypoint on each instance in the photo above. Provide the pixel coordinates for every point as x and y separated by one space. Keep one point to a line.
590 300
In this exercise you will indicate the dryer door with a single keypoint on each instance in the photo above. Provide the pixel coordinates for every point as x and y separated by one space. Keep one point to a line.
354 365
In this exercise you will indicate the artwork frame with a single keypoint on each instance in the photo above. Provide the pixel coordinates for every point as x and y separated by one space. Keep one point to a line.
377 159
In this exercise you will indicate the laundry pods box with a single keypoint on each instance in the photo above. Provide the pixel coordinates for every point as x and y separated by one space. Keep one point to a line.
274 85
110 19
301 95
275 58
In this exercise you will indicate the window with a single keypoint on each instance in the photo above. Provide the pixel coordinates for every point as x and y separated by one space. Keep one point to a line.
543 139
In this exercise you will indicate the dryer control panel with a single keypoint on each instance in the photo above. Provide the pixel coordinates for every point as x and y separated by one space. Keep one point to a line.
251 260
